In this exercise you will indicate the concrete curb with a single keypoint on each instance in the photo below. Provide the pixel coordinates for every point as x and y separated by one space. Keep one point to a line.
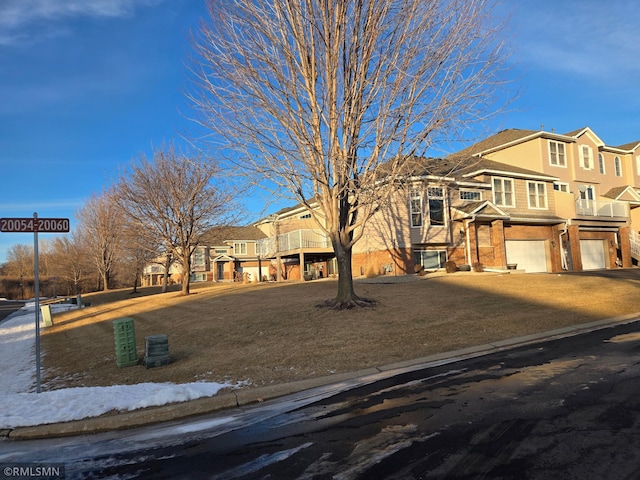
235 399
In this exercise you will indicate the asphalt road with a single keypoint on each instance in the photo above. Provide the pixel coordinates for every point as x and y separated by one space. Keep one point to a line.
7 307
561 409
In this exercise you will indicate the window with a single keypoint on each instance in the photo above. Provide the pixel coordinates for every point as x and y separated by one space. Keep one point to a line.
503 192
638 164
586 157
601 163
220 251
198 257
305 215
430 259
561 187
416 208
537 192
617 166
240 248
556 154
470 195
436 205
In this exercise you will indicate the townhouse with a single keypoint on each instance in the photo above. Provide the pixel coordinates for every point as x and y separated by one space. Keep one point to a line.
529 200
533 201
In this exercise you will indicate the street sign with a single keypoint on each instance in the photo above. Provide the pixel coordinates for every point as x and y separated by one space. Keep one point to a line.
34 225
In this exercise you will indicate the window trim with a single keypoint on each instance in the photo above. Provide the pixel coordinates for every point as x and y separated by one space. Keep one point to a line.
617 166
470 191
557 154
561 184
638 164
416 195
242 247
588 165
437 194
601 164
537 195
502 181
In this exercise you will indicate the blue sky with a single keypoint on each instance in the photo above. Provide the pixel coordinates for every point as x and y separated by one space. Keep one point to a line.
88 85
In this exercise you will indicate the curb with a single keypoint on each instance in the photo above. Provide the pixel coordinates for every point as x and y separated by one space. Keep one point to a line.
236 399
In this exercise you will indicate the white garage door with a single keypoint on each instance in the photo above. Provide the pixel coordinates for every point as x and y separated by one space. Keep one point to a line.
529 255
592 253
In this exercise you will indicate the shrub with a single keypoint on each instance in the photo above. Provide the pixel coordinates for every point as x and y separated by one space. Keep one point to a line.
450 267
478 267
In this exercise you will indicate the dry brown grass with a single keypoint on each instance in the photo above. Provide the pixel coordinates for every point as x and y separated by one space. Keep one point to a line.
271 333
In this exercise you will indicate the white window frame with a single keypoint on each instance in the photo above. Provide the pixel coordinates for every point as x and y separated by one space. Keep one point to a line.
437 193
617 166
601 164
466 192
502 201
557 158
239 248
586 157
540 201
561 187
638 164
416 210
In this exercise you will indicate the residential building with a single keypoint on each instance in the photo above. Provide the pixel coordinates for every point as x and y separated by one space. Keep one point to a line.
534 201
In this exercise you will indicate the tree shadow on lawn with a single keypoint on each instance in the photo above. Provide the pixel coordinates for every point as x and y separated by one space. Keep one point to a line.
276 334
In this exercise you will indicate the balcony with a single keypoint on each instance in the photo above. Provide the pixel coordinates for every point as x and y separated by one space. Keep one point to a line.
292 241
600 208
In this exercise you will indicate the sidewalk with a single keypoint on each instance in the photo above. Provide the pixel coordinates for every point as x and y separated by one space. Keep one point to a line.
235 399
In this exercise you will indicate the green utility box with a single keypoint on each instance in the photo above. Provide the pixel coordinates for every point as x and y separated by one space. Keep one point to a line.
125 337
156 351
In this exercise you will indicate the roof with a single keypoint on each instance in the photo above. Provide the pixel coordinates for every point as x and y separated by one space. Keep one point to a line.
629 146
504 137
624 193
485 165
219 235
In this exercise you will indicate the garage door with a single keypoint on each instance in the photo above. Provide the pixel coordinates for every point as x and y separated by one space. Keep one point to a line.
529 255
592 253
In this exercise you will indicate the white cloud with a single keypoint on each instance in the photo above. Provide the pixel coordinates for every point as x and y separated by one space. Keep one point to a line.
19 16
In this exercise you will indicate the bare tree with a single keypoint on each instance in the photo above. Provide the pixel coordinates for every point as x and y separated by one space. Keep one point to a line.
317 95
101 224
68 261
173 200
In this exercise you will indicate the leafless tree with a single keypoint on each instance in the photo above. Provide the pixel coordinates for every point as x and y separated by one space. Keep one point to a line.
173 199
317 95
100 222
68 261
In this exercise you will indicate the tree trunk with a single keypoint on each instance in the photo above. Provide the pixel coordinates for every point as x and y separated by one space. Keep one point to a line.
346 297
186 267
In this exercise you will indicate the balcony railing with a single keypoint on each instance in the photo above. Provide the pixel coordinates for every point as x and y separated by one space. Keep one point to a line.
599 208
297 239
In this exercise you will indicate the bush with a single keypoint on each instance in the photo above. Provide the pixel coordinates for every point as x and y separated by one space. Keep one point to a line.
371 272
450 267
478 267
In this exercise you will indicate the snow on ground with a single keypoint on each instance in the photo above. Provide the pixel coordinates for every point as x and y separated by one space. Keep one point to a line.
20 406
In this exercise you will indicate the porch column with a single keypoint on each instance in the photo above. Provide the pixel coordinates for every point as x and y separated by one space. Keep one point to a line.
574 245
498 243
625 246
278 268
301 265
472 243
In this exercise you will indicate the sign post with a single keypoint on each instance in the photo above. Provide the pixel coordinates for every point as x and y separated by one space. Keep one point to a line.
35 225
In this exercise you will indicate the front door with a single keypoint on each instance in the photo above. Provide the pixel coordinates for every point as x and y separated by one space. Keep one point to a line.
219 271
